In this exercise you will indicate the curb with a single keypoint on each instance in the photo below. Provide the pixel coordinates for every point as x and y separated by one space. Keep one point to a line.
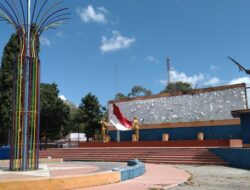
135 168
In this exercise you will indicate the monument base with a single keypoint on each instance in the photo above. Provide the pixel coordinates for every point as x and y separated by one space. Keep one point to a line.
246 145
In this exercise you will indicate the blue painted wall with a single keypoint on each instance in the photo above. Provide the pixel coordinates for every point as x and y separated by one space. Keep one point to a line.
245 126
236 157
183 133
4 153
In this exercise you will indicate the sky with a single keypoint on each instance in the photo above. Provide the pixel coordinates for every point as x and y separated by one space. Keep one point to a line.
109 46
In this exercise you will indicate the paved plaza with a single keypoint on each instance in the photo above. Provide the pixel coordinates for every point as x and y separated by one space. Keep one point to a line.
201 178
157 176
215 178
58 169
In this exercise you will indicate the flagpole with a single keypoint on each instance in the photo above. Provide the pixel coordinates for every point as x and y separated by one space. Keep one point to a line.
118 137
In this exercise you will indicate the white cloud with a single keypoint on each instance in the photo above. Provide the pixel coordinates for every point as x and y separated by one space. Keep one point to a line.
62 97
175 76
102 9
240 80
214 68
212 81
45 41
89 14
243 80
116 42
152 59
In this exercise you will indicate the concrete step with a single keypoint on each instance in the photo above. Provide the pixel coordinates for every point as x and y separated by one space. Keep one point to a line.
196 162
129 153
135 156
148 154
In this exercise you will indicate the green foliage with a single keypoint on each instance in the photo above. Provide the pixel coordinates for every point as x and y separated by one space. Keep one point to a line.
89 115
55 113
72 125
120 96
10 53
77 121
136 91
178 86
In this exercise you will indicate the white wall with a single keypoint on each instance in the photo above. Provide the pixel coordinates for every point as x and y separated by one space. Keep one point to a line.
214 105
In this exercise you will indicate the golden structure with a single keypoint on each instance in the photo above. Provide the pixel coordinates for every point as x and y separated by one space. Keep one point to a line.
104 129
136 128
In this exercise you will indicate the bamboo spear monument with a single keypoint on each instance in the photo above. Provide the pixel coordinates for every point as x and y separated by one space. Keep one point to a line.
29 18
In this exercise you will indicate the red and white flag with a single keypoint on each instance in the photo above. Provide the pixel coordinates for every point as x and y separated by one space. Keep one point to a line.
119 121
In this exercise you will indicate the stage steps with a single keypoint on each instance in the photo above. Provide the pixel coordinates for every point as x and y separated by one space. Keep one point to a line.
200 156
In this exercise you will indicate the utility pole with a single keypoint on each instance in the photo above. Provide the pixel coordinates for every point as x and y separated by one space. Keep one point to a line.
168 71
116 79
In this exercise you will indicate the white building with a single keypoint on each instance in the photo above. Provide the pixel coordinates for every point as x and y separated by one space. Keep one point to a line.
72 140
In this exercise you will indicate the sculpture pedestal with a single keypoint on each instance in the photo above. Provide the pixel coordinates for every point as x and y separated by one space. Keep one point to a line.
134 138
165 137
200 136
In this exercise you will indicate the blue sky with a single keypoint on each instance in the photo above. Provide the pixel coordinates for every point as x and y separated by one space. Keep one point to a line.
111 45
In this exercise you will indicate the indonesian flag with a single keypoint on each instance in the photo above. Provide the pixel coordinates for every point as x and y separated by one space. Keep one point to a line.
119 121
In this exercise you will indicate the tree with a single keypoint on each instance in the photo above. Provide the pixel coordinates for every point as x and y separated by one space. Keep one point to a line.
178 86
72 124
55 113
137 91
120 96
90 115
77 121
10 53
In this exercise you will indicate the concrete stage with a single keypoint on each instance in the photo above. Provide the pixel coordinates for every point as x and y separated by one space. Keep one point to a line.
177 143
